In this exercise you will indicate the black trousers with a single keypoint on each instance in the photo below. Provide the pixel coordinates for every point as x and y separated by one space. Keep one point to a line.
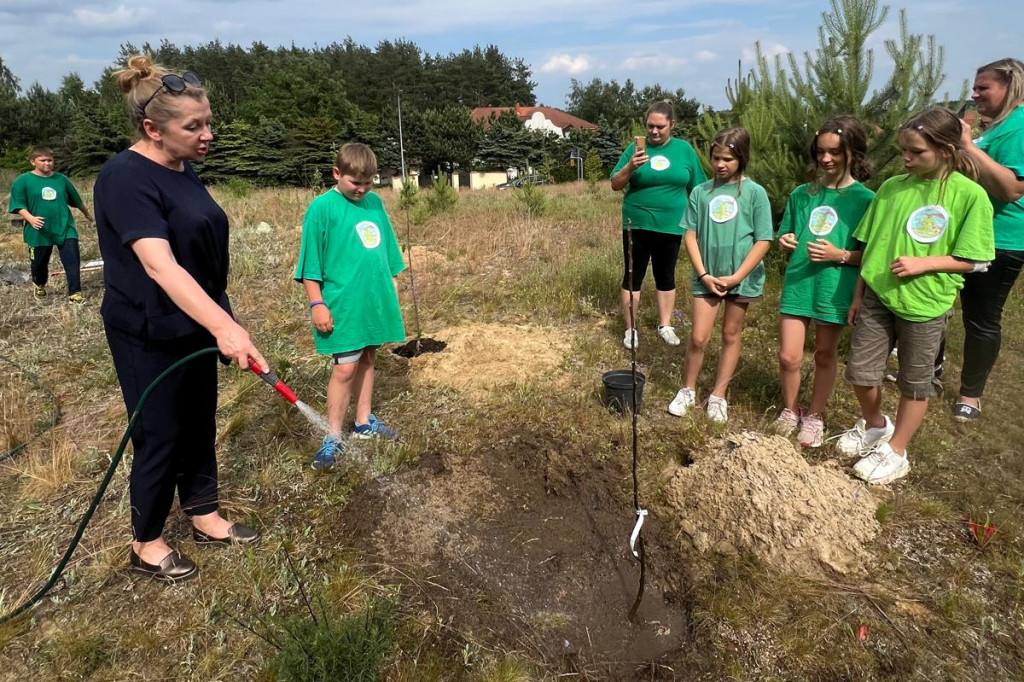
175 433
982 300
69 258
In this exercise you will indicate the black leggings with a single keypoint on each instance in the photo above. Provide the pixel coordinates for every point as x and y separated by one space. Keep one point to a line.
175 432
658 248
982 300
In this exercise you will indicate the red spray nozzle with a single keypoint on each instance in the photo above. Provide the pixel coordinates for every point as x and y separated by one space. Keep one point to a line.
270 378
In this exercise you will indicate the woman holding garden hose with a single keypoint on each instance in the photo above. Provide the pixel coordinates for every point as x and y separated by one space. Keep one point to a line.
999 153
657 172
164 242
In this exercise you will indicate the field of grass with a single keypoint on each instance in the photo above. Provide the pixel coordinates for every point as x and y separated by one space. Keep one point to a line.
934 605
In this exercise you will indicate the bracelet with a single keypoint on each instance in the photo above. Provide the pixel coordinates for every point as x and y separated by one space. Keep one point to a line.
846 257
700 277
313 304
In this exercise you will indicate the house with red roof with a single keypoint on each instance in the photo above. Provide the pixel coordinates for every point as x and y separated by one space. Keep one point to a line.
547 119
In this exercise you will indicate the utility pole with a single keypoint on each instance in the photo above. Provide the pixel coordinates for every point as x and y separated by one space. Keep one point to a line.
401 141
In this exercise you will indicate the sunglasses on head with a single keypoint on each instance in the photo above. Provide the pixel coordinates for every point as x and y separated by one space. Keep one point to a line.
174 84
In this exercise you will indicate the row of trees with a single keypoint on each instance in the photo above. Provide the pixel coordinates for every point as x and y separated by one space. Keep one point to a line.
281 112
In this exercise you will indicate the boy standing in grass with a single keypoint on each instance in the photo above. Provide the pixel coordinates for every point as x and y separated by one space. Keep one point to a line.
348 262
42 198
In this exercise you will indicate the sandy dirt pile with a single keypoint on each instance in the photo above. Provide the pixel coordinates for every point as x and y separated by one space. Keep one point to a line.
480 357
752 493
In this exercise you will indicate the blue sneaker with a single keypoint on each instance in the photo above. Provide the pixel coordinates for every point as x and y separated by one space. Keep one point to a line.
374 428
328 454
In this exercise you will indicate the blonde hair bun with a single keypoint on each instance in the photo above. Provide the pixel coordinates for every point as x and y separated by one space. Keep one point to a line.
139 68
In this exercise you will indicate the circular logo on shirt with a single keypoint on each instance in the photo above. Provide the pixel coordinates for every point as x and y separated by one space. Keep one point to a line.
822 221
723 209
927 224
369 234
49 194
660 163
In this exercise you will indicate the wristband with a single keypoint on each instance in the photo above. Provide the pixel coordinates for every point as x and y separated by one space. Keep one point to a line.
846 257
700 277
314 304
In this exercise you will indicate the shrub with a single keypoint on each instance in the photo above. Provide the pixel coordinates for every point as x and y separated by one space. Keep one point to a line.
531 200
443 198
240 188
409 195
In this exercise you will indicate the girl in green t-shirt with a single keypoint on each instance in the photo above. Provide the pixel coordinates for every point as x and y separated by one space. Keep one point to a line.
921 234
817 231
728 227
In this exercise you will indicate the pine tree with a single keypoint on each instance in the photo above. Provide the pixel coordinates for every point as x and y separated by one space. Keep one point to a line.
781 105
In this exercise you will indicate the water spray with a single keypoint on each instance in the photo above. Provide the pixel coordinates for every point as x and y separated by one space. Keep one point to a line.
268 377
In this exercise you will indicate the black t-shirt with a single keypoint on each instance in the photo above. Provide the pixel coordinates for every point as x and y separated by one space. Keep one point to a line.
137 198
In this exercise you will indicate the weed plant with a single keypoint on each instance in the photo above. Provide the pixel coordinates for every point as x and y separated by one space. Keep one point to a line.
329 647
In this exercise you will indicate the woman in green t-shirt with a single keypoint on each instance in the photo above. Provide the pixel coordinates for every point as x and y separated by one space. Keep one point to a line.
999 153
657 172
817 230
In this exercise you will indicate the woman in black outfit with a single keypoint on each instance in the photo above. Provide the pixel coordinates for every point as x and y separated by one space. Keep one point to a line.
164 243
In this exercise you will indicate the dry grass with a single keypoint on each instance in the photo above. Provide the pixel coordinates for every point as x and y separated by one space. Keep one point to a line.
936 606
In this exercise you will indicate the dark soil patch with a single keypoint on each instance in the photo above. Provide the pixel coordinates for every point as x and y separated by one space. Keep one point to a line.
418 347
524 547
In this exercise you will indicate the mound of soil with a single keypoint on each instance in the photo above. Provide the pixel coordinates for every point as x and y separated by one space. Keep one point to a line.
480 357
756 494
525 546
418 347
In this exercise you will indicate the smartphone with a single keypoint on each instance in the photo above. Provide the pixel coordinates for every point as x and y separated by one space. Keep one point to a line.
640 142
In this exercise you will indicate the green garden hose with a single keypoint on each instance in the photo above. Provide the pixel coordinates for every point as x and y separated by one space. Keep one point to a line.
34 599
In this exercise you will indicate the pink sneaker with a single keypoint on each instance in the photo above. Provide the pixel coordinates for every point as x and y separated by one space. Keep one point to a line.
787 422
812 431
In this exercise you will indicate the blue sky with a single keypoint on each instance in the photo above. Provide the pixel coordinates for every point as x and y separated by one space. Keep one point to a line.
693 44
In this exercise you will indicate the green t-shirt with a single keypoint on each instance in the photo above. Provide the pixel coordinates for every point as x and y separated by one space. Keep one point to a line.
907 218
1005 144
656 194
728 219
48 198
350 248
822 291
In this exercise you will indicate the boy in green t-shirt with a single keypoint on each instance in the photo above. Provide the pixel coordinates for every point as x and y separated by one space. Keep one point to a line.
44 200
348 262
922 233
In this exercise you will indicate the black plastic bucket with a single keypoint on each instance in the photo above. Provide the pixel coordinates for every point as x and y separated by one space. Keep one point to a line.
618 389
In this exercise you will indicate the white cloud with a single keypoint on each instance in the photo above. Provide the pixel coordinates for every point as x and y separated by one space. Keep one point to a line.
651 62
704 56
769 50
565 63
120 18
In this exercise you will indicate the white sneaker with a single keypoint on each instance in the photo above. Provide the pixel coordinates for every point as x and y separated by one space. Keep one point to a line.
630 339
718 409
860 440
682 403
882 466
787 422
668 335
